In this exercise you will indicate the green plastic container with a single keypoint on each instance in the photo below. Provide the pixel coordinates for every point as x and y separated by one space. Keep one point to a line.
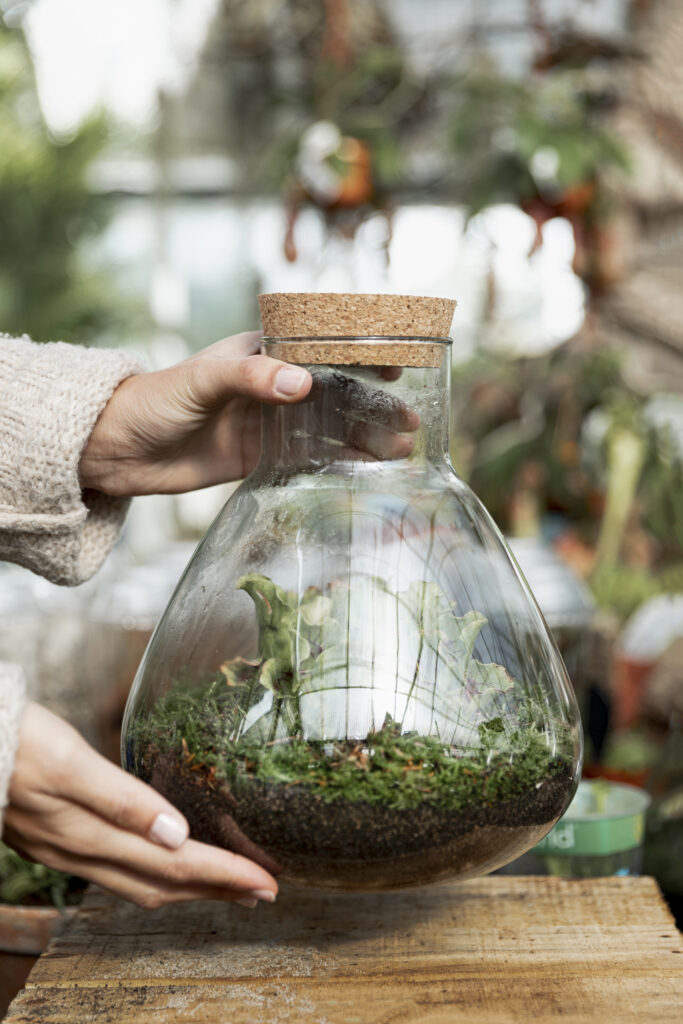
600 834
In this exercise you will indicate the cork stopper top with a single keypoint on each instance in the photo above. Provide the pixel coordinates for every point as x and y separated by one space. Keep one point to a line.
342 315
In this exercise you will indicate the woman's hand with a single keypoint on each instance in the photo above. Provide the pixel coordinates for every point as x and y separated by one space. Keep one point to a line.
198 423
73 810
192 425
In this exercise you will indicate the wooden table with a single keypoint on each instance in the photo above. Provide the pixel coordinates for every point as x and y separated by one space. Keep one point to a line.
491 951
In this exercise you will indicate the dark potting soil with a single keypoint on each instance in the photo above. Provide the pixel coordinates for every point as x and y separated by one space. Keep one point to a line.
293 832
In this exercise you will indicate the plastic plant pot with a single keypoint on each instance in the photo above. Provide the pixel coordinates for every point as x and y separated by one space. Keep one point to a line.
600 834
352 684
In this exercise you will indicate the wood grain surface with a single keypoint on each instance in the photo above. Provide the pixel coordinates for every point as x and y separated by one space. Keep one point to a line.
492 951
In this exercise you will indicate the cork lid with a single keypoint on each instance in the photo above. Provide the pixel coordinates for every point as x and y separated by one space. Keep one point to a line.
343 315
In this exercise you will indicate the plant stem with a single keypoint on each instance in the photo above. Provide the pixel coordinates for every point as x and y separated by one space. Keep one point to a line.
420 620
276 719
294 724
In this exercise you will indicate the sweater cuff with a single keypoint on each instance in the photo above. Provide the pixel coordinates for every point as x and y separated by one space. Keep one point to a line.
12 703
50 398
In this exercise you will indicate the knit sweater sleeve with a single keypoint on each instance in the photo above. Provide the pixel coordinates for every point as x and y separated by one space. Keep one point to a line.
12 700
50 398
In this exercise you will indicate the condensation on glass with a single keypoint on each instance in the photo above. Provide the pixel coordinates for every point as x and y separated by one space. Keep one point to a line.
352 684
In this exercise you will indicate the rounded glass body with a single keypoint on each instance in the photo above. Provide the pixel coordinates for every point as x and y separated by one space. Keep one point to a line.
352 684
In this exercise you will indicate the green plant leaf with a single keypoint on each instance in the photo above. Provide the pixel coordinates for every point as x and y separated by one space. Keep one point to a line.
304 649
239 671
459 635
494 725
268 675
277 613
486 684
319 672
315 608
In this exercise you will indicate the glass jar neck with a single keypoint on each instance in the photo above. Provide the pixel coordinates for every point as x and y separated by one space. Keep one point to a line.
359 416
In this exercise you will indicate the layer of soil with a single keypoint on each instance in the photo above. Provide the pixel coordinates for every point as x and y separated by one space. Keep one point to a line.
345 845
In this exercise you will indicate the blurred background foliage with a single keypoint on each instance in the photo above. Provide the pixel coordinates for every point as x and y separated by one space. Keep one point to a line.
47 213
162 163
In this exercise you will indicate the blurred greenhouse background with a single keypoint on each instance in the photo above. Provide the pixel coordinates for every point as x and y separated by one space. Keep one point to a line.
163 162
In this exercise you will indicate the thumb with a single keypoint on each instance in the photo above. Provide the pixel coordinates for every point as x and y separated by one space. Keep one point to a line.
213 379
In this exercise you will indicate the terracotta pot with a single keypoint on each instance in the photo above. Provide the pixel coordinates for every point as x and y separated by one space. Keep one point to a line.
29 929
595 770
629 683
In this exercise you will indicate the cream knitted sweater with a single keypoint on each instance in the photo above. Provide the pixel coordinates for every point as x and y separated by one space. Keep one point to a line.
50 398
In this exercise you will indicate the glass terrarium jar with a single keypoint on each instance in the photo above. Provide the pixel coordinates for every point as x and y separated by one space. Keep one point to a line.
352 684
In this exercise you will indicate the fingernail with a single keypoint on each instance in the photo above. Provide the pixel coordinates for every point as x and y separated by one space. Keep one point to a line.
289 380
168 831
264 894
245 901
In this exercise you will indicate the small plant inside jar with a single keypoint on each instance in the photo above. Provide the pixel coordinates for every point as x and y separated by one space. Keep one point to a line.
462 760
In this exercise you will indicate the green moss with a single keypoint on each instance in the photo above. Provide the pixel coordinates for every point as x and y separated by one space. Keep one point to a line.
389 768
302 643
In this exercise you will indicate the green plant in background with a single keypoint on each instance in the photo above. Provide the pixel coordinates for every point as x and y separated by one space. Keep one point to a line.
374 101
568 429
23 882
515 414
632 751
542 144
47 212
341 62
641 471
325 106
625 450
661 492
533 139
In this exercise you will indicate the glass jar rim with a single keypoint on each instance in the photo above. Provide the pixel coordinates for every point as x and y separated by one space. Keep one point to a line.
362 338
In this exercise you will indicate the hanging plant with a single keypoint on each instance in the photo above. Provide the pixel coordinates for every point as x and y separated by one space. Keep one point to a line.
538 143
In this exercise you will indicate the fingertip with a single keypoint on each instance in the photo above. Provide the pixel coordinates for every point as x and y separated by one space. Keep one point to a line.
169 830
291 383
239 872
404 447
267 895
246 902
412 420
390 373
263 886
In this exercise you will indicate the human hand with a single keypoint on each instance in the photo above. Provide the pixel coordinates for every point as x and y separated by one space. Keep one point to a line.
198 422
195 424
347 416
73 810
